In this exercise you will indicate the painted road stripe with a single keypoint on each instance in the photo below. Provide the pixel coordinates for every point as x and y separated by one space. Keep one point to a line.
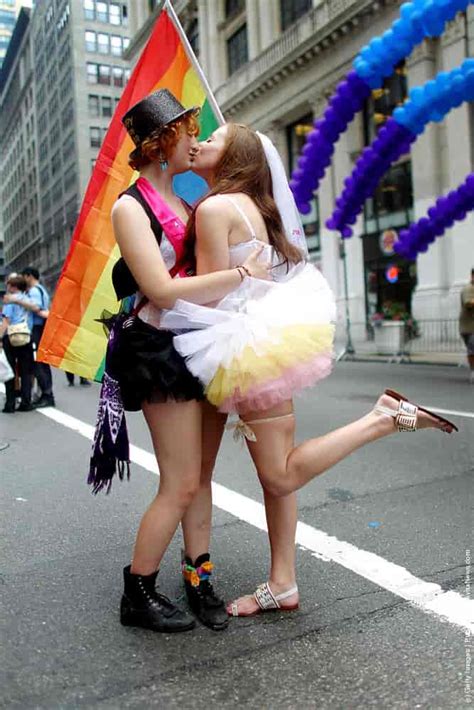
427 596
469 415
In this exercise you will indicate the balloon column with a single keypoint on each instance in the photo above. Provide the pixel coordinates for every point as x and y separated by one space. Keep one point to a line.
418 19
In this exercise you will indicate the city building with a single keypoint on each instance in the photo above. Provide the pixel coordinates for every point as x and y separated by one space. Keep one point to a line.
9 11
273 64
19 218
76 75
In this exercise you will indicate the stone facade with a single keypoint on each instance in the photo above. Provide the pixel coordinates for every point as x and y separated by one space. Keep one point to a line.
290 74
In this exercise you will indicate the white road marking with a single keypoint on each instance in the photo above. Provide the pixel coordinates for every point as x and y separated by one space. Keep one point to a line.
427 596
453 412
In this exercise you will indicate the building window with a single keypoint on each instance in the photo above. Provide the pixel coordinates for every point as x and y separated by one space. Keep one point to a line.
106 106
93 105
380 106
104 74
233 7
296 136
92 73
114 14
103 43
116 45
101 11
392 204
91 44
89 12
93 162
56 162
292 10
118 76
95 136
193 36
237 50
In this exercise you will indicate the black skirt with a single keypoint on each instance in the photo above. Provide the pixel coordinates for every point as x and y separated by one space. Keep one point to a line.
147 366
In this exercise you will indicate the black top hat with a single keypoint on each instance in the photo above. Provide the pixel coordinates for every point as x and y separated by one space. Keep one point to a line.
153 113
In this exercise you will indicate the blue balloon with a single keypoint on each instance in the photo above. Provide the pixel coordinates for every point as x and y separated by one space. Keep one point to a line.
433 20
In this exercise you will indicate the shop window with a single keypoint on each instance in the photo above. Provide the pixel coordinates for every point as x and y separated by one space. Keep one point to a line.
237 50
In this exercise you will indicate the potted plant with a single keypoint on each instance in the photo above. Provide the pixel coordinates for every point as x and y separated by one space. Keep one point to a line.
393 328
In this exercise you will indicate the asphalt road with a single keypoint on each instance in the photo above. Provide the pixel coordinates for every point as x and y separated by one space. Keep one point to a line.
355 643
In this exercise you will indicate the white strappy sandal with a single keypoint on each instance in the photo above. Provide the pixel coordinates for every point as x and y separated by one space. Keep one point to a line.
267 601
407 414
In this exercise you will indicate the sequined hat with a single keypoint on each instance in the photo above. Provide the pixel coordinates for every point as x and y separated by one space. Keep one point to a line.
152 113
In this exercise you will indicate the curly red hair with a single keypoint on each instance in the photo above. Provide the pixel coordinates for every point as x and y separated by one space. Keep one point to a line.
161 143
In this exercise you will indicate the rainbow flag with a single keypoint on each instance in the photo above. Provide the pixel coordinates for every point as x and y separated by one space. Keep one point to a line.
72 339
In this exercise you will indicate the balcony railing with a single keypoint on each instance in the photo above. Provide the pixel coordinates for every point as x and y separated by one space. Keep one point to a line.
297 40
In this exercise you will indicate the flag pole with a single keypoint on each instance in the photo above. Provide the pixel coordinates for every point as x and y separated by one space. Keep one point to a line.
193 59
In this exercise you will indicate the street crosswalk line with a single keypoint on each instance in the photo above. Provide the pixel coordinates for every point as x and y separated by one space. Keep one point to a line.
427 596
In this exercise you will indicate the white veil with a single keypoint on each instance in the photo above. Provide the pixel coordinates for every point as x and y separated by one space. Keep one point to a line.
284 197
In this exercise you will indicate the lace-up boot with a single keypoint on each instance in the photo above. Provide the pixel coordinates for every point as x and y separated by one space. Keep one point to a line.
202 599
143 606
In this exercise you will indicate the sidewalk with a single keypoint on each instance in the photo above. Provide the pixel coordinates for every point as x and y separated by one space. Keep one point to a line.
365 351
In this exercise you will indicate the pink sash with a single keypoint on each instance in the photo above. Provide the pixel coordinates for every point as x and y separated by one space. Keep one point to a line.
173 226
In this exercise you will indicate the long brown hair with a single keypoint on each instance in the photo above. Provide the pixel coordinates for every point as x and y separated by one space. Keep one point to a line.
243 168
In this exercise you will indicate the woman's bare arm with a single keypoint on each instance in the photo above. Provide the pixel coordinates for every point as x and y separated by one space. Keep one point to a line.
212 242
141 252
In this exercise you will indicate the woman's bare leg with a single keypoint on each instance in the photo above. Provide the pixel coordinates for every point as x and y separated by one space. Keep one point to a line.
179 465
284 470
197 520
282 516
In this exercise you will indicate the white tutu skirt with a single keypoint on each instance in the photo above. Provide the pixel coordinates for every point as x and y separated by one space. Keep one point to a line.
261 344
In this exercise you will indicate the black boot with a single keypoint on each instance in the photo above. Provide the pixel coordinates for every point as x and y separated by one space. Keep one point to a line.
142 606
203 601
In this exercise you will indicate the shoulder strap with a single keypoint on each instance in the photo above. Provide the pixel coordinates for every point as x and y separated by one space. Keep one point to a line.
242 214
134 192
42 292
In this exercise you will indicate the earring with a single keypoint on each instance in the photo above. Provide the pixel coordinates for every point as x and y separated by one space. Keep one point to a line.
163 164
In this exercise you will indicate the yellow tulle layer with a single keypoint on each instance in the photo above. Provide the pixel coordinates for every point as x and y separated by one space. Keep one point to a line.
259 363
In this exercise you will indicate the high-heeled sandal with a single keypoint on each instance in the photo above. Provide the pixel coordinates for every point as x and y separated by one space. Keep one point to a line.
407 413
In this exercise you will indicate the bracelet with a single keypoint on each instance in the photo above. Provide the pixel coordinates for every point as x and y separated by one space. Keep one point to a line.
240 272
241 266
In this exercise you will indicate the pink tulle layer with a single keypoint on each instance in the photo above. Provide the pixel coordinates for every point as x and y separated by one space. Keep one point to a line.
273 392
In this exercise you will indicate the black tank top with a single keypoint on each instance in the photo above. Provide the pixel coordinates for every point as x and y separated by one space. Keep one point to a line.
122 278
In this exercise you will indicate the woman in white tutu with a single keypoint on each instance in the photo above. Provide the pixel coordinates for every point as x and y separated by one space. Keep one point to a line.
264 342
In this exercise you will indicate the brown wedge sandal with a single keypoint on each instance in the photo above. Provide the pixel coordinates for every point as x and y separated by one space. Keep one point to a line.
405 417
